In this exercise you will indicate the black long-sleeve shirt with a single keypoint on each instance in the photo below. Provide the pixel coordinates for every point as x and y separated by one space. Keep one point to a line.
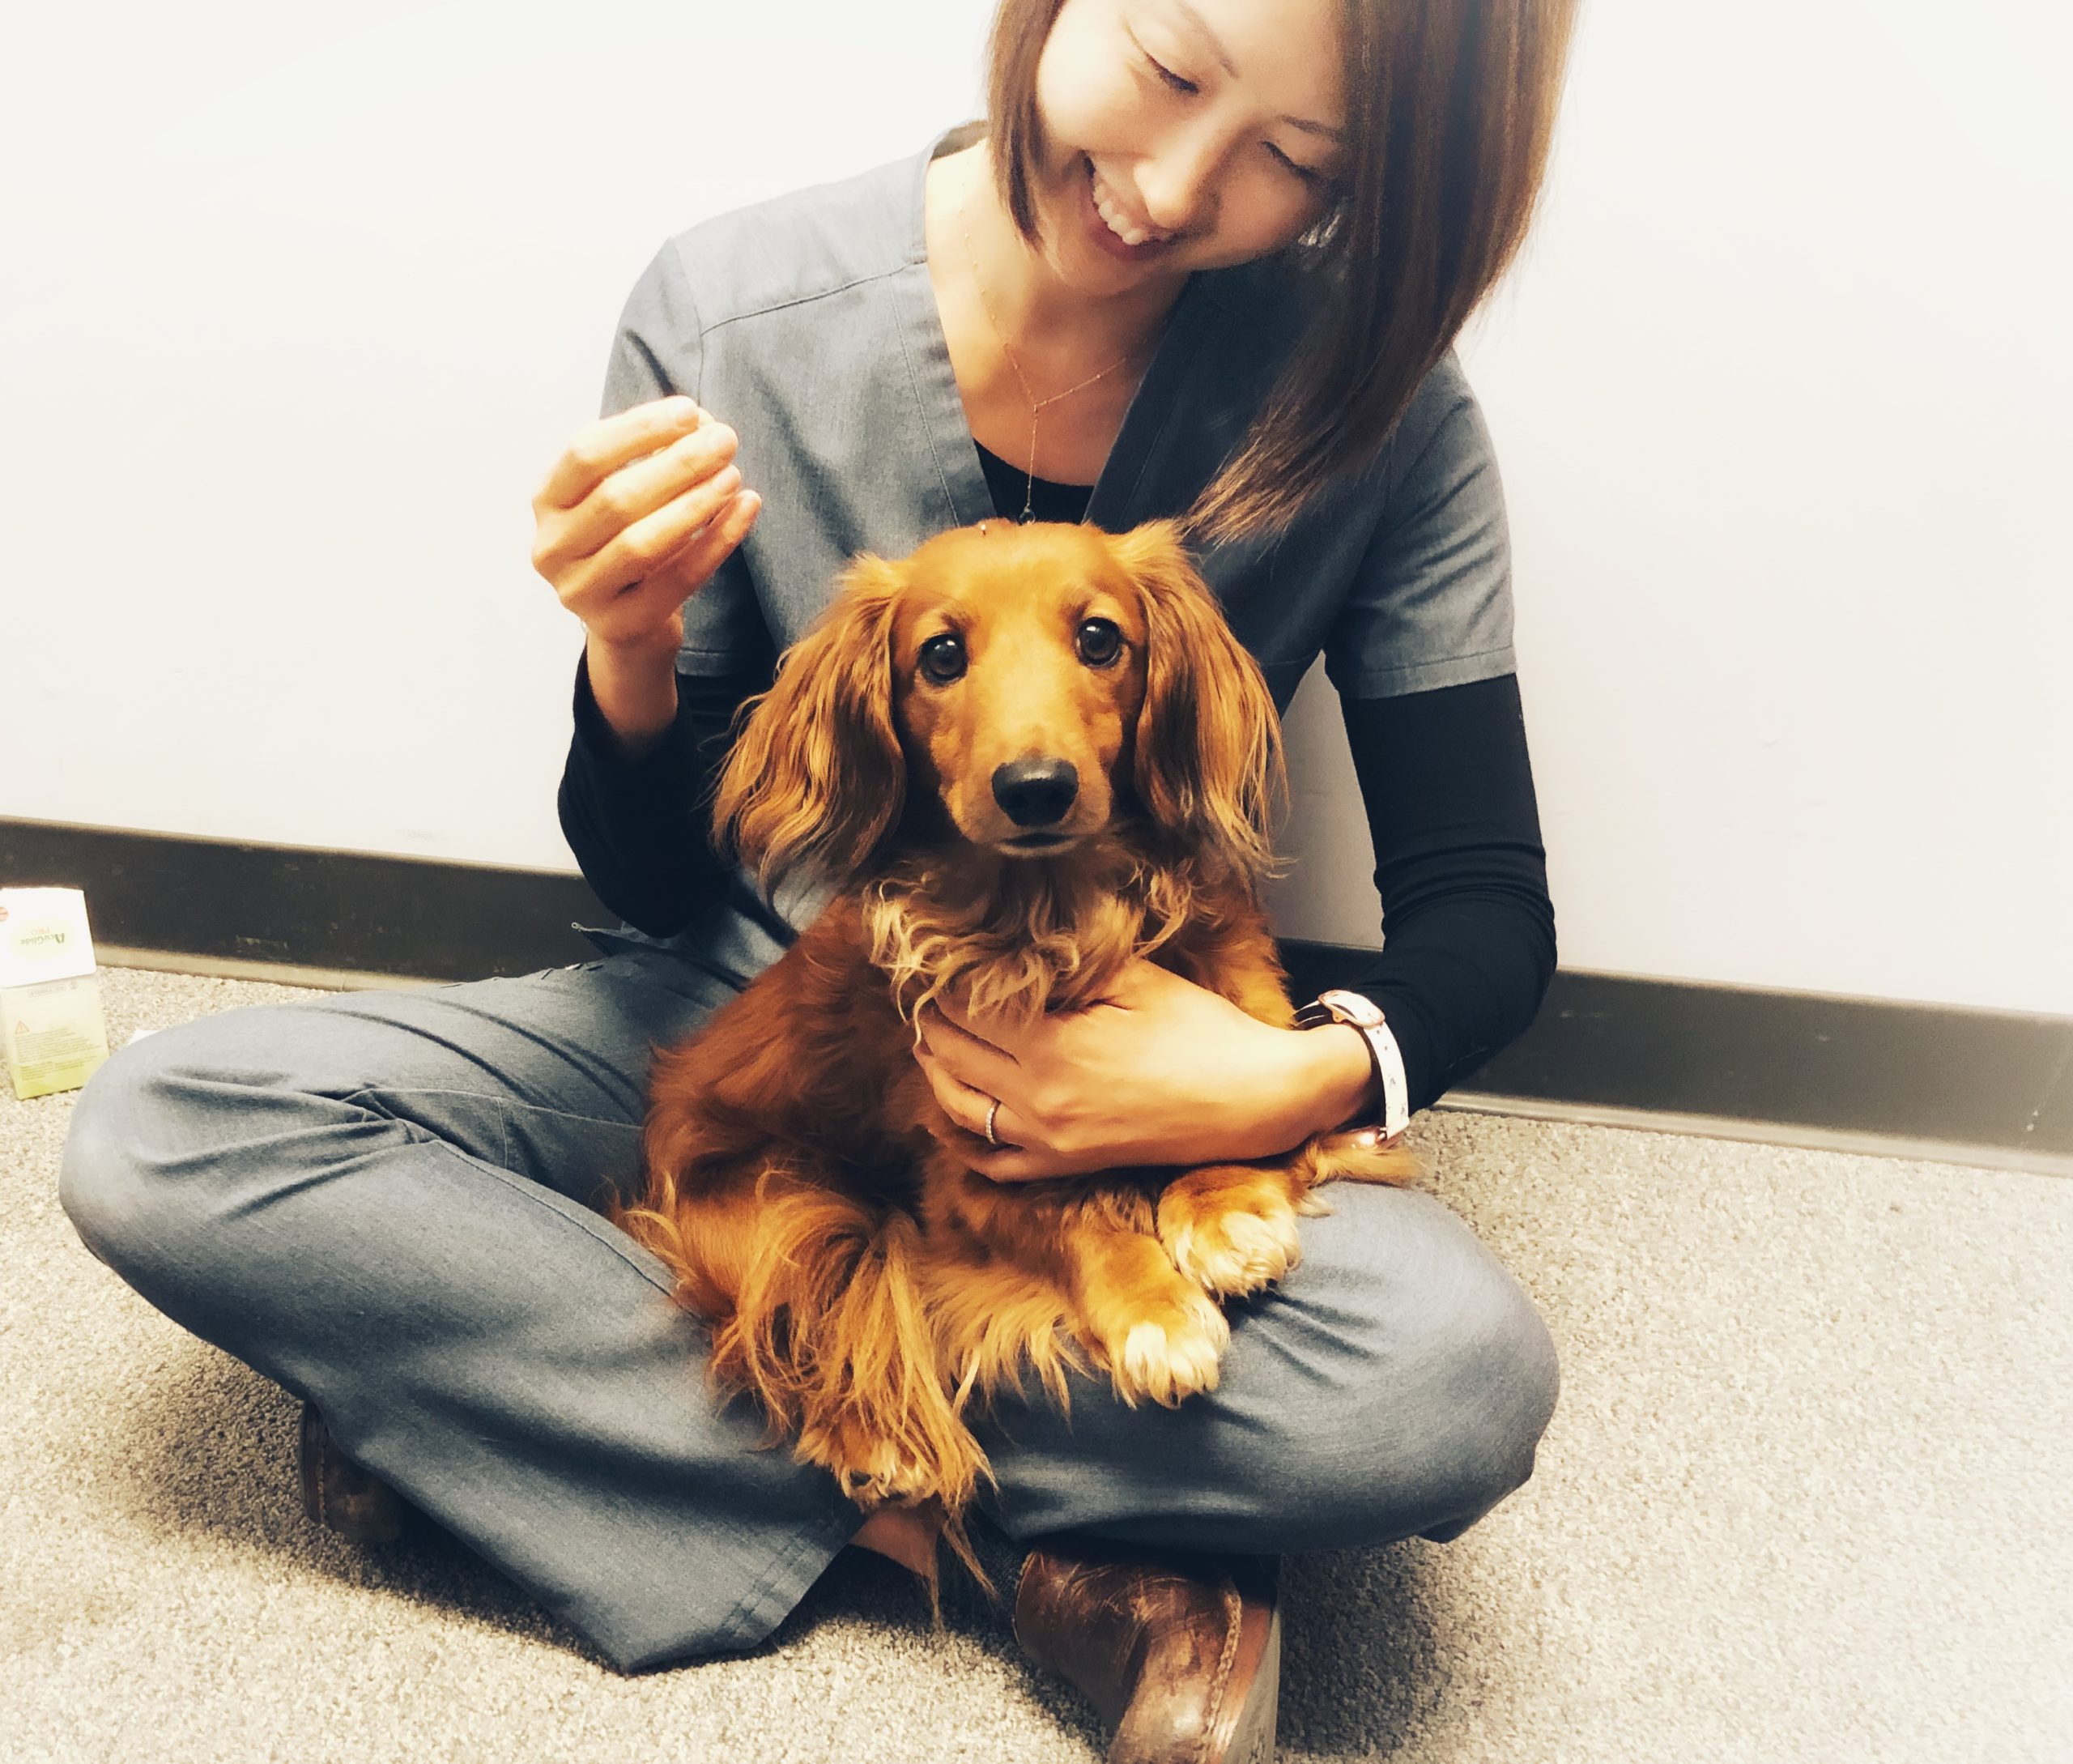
1446 778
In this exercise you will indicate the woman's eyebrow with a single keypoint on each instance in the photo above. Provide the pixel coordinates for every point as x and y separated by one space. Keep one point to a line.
1199 25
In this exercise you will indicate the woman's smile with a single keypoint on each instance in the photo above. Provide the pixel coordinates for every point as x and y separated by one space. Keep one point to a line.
1110 221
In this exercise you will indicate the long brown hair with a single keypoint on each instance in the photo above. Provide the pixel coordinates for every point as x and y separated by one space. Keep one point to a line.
1450 108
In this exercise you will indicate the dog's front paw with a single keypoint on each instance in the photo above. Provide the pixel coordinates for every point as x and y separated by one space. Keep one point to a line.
1172 1351
1226 1250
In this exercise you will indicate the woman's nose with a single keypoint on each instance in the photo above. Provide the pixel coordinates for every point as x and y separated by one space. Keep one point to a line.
1177 184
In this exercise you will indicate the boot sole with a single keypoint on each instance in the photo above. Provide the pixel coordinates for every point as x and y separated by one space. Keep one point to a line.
1252 1733
338 1494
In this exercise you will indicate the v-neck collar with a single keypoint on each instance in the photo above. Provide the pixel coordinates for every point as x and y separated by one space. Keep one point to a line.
1111 503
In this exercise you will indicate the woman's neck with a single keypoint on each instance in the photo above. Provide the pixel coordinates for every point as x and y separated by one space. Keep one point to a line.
1051 327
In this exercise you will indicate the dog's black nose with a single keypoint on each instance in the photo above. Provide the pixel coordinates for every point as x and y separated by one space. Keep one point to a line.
1035 792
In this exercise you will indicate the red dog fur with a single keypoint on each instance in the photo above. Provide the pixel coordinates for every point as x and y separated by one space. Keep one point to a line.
803 1184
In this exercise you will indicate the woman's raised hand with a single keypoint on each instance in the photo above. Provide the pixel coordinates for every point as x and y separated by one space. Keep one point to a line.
635 517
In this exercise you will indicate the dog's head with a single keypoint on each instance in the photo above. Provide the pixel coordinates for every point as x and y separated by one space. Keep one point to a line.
1017 688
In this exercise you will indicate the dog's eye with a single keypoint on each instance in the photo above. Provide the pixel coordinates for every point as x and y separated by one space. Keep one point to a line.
943 658
1100 642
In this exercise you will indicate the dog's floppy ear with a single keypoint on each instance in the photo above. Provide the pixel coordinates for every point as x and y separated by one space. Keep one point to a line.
1207 744
815 780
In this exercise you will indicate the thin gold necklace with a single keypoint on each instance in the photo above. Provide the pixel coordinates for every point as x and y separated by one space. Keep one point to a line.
1035 405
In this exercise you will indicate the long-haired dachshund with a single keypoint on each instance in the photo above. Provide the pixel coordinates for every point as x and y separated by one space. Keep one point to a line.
1022 757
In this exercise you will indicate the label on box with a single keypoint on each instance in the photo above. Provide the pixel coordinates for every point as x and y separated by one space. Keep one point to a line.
43 936
55 1036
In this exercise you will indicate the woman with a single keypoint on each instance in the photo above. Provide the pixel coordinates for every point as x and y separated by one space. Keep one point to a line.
1206 260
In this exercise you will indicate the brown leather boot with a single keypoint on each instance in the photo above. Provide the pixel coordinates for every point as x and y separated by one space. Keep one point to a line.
1181 1655
336 1492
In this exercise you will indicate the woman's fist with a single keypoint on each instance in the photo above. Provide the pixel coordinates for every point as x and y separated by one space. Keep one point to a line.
635 517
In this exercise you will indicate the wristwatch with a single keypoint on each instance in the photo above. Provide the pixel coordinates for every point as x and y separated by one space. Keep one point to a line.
1387 1057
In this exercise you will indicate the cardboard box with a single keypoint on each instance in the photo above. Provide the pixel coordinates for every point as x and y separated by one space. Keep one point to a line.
51 1025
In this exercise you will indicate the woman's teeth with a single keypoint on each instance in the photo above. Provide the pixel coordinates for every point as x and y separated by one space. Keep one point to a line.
1122 229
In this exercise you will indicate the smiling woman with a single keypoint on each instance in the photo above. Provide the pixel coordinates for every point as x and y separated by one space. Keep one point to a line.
1201 263
1405 141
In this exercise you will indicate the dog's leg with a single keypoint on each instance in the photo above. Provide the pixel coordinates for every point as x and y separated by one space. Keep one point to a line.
817 1312
1029 1274
1021 1271
875 1411
996 1320
1231 1228
1161 1336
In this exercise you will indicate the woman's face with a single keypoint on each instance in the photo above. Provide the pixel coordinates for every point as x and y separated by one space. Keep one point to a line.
1208 129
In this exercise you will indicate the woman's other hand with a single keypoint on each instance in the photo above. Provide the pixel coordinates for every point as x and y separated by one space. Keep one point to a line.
1161 1070
635 517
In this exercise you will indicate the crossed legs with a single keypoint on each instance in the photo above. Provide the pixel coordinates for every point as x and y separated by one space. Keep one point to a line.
390 1204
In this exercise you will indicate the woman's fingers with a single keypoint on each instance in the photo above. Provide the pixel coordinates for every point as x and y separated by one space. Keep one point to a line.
638 514
977 1061
643 546
704 546
967 1105
602 535
600 450
664 587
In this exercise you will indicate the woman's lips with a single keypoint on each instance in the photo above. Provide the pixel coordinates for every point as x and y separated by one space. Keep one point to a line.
1103 235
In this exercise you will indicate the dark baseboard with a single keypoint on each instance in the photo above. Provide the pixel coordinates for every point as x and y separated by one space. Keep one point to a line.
1992 1087
293 906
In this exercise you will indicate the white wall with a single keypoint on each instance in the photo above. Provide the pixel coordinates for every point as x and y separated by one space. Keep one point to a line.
299 313
1783 396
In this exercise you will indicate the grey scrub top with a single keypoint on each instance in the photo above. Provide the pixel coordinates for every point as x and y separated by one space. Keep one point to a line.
807 323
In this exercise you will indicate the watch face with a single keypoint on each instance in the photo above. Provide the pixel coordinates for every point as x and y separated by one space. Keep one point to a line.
1352 1007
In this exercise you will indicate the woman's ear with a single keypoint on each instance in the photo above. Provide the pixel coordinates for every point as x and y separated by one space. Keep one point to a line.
1207 755
815 779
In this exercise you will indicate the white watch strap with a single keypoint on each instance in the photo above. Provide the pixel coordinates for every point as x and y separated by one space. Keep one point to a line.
1364 1015
1396 1086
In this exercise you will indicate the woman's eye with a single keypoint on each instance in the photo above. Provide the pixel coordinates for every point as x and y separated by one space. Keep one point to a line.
1304 172
1170 77
1100 642
942 659
1316 179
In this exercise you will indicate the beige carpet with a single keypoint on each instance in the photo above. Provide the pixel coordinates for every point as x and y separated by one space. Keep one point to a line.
1808 1495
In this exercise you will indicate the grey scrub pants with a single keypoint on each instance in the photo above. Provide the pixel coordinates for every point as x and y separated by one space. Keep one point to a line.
384 1202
